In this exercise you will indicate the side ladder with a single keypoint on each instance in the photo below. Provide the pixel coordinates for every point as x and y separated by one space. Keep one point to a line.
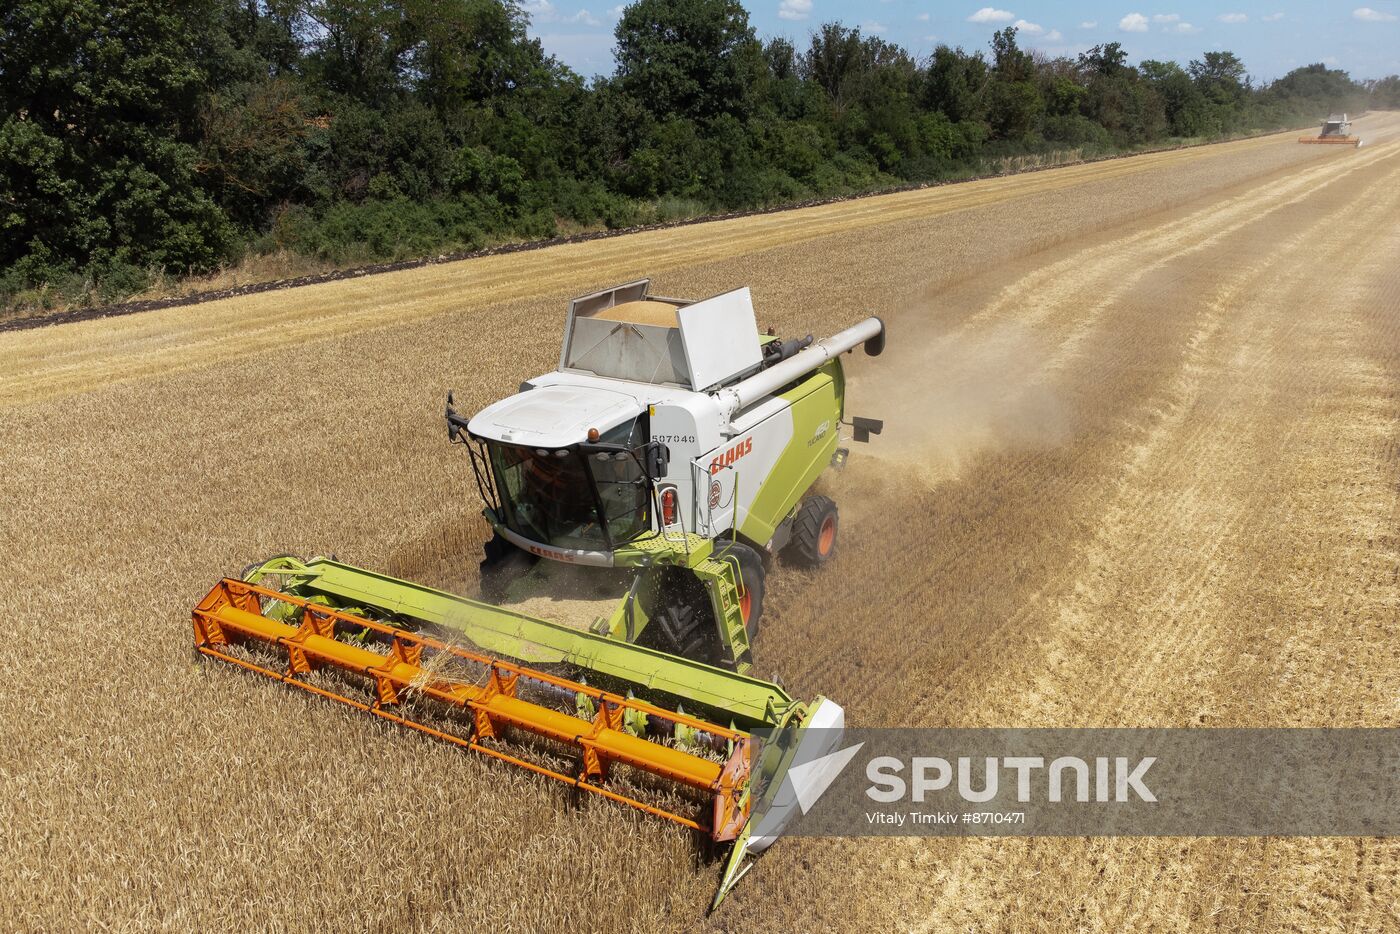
724 582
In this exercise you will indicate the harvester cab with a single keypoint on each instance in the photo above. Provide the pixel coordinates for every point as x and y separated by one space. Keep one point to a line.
637 496
1336 130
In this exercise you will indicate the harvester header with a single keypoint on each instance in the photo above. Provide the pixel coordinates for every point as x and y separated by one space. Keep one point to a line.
1336 131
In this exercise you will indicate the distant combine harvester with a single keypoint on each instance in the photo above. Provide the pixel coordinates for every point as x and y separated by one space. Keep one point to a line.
1336 130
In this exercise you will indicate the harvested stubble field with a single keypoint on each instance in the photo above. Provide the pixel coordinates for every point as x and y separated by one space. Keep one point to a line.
1139 471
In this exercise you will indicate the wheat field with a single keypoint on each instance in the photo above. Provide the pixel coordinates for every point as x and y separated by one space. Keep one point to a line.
1143 433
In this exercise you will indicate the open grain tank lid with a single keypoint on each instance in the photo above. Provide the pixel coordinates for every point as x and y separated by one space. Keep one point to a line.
623 333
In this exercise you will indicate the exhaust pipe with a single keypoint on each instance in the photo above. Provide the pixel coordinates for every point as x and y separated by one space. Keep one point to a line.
734 399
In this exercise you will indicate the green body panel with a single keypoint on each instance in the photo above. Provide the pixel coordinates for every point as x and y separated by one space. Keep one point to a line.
817 399
746 702
721 576
672 548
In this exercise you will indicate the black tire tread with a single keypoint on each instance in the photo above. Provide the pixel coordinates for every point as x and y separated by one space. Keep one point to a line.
804 548
499 559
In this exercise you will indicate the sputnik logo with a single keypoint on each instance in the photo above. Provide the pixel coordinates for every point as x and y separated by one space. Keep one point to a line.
810 780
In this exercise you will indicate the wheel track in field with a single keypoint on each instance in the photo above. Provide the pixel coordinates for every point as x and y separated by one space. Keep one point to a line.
1189 437
1177 432
1123 263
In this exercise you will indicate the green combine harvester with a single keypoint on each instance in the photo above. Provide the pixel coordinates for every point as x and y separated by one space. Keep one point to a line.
638 495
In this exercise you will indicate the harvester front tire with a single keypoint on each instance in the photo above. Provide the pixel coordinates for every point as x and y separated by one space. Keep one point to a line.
751 569
682 622
500 564
813 533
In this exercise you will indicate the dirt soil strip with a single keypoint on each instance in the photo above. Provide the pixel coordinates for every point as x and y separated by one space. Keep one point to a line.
1138 470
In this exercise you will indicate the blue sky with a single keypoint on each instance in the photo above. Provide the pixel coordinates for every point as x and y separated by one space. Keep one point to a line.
1272 36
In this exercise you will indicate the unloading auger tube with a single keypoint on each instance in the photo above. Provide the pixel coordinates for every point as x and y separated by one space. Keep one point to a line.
398 641
870 332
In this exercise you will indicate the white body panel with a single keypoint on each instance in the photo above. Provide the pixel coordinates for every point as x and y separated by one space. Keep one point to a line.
717 466
734 472
720 338
555 416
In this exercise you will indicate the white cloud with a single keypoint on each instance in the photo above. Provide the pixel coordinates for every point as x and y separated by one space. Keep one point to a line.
1133 22
873 27
542 11
930 38
1272 17
794 9
1053 36
922 17
1368 15
1030 29
616 12
991 15
1089 24
1184 28
589 53
1233 17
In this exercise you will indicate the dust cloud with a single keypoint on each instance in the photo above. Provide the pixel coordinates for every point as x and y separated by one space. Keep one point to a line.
948 399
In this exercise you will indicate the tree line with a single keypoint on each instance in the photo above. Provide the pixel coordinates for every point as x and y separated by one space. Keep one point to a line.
146 139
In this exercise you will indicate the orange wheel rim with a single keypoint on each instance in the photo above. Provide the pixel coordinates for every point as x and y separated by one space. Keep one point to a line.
827 536
746 605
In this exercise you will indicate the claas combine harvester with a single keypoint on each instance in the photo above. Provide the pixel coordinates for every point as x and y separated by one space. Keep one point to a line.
1336 131
638 495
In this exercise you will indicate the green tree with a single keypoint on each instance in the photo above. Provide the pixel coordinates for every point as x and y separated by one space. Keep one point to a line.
1316 88
461 53
1118 99
98 157
956 84
1009 61
1385 93
1220 76
835 55
694 59
359 48
1183 103
1014 103
1109 60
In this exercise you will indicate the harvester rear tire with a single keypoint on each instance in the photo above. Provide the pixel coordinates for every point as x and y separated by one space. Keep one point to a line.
813 533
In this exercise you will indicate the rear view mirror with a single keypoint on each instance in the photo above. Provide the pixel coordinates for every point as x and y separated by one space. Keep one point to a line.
658 460
863 428
455 422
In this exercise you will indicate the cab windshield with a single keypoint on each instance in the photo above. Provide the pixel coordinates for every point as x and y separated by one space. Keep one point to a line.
589 497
